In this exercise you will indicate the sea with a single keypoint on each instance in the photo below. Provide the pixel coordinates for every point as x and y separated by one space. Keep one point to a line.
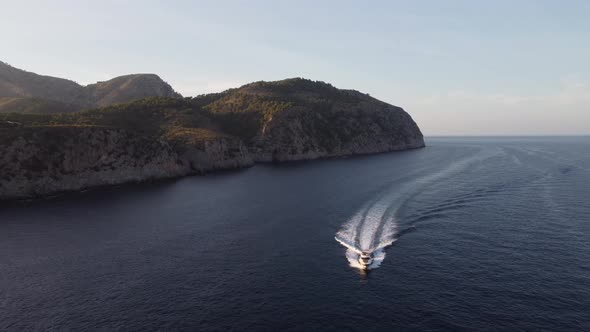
467 234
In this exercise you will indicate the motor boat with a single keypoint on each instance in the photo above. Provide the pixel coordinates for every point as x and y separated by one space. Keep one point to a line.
365 259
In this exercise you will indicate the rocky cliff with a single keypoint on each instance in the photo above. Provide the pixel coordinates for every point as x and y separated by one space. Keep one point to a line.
37 161
42 160
341 129
201 150
154 138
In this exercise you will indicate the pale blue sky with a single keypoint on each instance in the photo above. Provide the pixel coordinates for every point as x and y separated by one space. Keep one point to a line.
458 67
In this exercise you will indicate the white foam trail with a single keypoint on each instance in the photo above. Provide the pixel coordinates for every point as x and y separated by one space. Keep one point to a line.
374 226
348 245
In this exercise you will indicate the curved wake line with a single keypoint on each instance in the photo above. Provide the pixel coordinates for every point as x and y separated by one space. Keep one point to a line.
374 227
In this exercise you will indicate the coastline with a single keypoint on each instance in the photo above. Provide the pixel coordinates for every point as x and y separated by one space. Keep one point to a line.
219 171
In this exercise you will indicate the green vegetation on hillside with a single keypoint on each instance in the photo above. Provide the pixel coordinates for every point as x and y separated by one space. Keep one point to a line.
241 112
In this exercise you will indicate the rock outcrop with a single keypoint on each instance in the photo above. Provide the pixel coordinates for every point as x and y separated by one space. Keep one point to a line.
203 150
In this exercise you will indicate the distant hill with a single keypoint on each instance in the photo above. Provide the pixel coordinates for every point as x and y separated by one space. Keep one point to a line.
15 82
128 88
48 93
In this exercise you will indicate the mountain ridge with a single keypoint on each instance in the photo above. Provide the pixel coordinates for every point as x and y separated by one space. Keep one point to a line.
18 83
161 137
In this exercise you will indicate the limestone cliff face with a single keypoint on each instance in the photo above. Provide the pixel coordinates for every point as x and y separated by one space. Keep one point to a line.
44 160
203 150
349 123
40 161
299 134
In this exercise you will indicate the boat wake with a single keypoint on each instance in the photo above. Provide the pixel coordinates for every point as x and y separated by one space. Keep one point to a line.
374 227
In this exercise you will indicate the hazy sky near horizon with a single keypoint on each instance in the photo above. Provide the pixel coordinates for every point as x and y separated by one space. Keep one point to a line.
458 67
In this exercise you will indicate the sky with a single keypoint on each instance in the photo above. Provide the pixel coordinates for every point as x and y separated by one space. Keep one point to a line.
474 67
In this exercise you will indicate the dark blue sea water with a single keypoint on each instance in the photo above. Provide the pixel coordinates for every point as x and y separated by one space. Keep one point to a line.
485 233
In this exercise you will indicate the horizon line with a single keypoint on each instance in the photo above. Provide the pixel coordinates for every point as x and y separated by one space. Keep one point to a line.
507 135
